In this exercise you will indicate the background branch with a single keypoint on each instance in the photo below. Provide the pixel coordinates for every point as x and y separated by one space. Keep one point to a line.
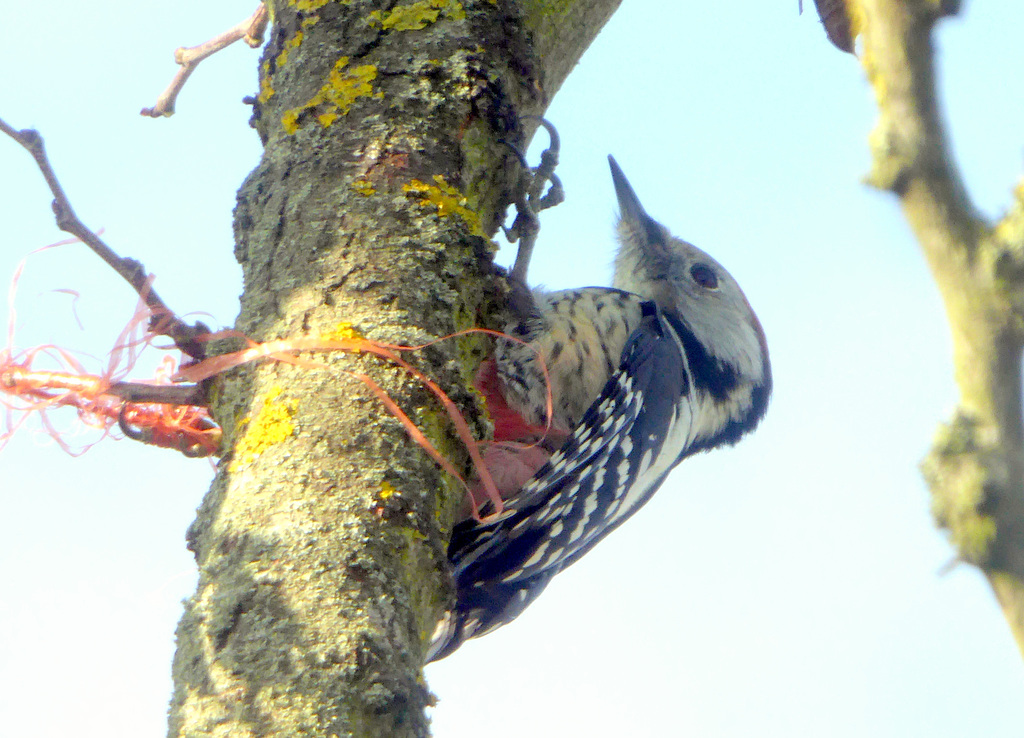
976 466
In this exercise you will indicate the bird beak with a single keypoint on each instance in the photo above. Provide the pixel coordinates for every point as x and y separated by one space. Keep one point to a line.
630 208
629 203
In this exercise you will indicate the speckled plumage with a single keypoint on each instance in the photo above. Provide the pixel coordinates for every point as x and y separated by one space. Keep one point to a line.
578 336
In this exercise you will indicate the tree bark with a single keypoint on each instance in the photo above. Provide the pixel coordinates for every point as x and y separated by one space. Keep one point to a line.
322 542
976 466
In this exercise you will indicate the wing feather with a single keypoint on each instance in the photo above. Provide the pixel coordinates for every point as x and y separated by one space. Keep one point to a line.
637 429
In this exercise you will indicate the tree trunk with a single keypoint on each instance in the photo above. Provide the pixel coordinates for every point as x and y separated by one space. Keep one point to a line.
322 542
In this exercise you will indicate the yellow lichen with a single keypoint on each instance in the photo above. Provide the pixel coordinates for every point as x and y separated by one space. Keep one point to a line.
292 43
447 200
290 121
326 119
345 331
387 490
344 86
363 187
418 15
271 425
266 89
307 6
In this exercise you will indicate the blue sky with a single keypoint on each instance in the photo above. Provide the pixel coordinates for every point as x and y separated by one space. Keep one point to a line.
790 586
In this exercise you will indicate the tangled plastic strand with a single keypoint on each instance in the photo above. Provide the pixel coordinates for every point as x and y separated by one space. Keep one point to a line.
27 391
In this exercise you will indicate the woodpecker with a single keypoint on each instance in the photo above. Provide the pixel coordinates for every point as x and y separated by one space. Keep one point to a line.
669 361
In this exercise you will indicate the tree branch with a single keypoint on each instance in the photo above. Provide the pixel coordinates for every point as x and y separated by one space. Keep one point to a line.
976 467
164 394
251 30
163 322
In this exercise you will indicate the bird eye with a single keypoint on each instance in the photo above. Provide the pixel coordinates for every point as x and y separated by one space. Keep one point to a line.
704 276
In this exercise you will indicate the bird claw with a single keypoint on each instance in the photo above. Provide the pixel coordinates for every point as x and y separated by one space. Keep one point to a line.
531 198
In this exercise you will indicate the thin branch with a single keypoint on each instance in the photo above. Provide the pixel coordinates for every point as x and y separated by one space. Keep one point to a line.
164 394
163 321
250 30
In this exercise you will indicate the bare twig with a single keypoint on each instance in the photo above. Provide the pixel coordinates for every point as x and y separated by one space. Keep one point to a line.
250 30
165 394
163 321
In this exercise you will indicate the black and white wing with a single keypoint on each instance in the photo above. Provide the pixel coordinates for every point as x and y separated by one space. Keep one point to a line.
639 427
